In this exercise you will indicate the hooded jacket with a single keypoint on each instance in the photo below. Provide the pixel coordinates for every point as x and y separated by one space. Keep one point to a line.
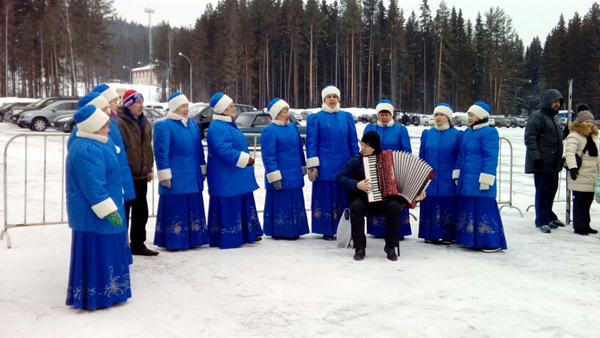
575 143
543 137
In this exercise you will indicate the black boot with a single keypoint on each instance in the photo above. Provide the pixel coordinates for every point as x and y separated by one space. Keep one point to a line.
591 231
359 254
581 232
391 253
328 238
258 238
144 252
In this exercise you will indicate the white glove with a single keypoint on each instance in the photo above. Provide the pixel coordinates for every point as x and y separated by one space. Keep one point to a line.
166 183
313 173
484 186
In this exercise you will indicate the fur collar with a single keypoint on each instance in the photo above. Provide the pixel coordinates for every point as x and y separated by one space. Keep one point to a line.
95 137
583 129
479 126
278 122
222 118
442 127
177 117
330 110
389 124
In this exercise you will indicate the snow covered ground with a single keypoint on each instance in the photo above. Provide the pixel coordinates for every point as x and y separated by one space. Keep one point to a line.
544 285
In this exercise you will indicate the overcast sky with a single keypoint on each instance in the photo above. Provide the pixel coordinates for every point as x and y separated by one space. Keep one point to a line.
530 17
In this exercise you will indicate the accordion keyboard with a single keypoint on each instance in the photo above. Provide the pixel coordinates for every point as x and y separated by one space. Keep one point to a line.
370 163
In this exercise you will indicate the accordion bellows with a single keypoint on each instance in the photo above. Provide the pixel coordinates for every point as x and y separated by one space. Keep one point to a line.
397 173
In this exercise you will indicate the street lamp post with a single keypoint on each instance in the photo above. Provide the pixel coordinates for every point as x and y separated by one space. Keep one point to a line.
168 74
130 74
191 99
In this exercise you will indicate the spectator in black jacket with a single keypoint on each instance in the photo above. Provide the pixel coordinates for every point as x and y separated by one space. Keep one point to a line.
352 178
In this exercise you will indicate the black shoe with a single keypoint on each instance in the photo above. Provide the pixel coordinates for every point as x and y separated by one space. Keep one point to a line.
391 253
258 238
581 232
447 241
328 238
558 223
277 237
401 238
359 254
591 231
144 252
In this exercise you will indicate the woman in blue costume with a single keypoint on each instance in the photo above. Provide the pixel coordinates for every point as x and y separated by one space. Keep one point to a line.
394 136
439 147
232 216
179 155
283 158
99 271
331 141
479 225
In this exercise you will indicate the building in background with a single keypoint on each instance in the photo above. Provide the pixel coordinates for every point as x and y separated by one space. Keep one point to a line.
144 76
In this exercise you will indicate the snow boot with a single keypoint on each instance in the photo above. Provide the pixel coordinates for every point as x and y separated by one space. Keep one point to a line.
359 254
545 229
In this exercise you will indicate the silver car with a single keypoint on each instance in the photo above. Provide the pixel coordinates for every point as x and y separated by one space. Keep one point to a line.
39 120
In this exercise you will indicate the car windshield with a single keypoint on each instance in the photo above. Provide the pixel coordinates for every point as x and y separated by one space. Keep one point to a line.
244 120
194 110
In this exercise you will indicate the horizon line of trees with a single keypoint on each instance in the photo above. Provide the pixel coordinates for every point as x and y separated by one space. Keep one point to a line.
255 50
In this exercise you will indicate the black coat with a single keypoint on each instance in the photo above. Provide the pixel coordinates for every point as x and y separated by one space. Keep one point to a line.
351 173
543 136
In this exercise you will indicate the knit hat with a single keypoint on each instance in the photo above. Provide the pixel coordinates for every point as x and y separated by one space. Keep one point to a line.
177 100
219 102
108 93
582 107
130 97
93 99
90 119
328 90
584 115
444 108
276 106
385 105
373 140
480 109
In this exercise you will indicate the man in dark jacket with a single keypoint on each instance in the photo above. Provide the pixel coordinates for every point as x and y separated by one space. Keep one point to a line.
137 138
352 178
543 138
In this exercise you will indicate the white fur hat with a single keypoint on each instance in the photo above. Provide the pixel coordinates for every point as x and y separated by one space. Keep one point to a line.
276 106
328 90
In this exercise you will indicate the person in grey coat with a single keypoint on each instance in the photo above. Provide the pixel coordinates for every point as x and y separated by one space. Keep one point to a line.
543 159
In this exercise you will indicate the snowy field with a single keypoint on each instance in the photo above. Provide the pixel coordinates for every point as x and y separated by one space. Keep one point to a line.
544 285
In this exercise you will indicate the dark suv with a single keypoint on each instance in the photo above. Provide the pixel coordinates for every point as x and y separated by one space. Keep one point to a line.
203 114
13 115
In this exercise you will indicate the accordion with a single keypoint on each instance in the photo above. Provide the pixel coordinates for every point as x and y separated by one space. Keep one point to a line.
397 173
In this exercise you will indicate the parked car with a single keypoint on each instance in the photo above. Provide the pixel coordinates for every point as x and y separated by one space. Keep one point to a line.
8 106
426 120
256 121
153 115
305 114
39 120
157 107
460 120
64 123
13 115
296 114
364 118
203 114
501 121
518 122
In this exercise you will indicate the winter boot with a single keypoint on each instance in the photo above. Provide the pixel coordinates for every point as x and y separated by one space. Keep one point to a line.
391 253
545 229
359 254
591 231
581 232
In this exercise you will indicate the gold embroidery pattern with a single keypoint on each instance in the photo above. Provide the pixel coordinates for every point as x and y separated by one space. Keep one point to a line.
114 288
175 227
485 227
195 223
157 228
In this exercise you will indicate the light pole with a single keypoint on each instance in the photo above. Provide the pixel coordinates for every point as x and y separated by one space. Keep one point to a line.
150 11
191 100
168 74
130 74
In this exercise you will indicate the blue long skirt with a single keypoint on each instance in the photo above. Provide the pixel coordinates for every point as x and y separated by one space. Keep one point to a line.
99 272
479 225
328 203
376 224
285 213
437 219
180 222
233 221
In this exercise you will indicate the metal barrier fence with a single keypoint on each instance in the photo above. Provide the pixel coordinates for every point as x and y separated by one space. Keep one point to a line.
62 138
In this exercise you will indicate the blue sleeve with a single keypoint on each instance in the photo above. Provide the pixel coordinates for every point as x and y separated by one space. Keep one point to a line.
405 139
268 147
201 150
162 144
90 171
422 148
352 138
220 144
343 178
490 146
312 136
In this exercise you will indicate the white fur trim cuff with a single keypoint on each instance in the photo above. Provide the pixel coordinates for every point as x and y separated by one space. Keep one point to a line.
384 106
277 108
94 122
274 176
330 90
104 208
177 102
99 102
455 174
312 162
304 171
164 174
444 110
222 118
223 103
487 179
203 169
478 111
110 94
243 160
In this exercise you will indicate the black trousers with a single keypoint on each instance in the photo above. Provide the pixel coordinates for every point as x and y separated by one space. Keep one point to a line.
360 207
546 185
138 209
582 202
